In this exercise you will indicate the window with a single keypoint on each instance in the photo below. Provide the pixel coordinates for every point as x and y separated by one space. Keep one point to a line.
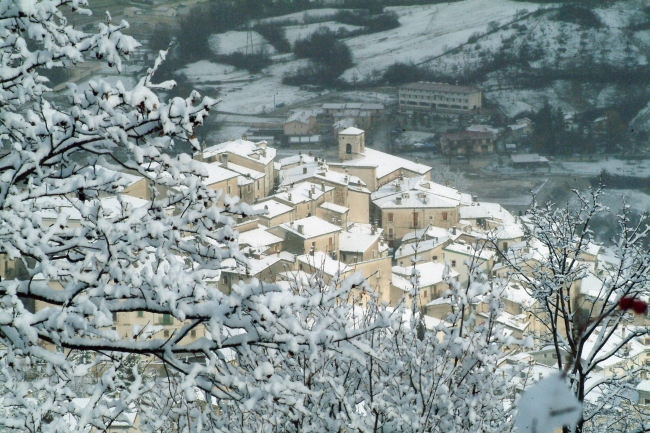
425 294
167 319
258 184
193 333
166 333
224 280
505 245
434 258
444 216
415 220
140 313
228 189
331 244
390 233
313 244
390 217
453 263
348 148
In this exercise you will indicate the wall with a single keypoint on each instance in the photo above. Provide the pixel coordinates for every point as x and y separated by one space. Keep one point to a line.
403 219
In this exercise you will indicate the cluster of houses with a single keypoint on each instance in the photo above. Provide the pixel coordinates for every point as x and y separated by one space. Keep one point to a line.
368 212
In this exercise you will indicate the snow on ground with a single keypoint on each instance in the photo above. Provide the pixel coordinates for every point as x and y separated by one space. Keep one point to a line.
618 14
427 31
205 71
515 101
634 168
293 33
371 97
638 200
231 42
311 14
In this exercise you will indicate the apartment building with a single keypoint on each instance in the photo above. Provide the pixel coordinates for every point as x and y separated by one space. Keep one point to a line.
441 97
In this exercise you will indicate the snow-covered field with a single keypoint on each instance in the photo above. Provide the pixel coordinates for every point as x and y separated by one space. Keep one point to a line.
294 33
300 16
231 42
634 168
427 31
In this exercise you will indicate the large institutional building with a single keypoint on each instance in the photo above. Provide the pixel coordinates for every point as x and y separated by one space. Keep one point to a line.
439 97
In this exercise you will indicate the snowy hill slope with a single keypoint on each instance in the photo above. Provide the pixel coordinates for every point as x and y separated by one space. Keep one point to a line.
437 36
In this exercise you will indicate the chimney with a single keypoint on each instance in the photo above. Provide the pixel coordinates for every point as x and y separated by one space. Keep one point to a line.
291 225
289 196
399 200
322 186
266 206
453 230
311 194
359 183
224 160
301 229
304 170
313 189
373 230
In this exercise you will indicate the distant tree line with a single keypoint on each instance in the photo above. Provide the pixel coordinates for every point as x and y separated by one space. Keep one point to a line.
552 136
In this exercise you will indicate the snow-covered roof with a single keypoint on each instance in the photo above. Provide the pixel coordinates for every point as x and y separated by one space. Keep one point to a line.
258 152
301 193
421 184
273 207
469 250
440 87
430 273
361 228
346 122
509 231
351 131
320 171
413 248
417 193
296 159
386 163
519 321
247 172
514 292
311 227
486 210
217 173
482 128
356 242
254 266
334 207
258 238
302 116
644 386
321 261
427 232
528 158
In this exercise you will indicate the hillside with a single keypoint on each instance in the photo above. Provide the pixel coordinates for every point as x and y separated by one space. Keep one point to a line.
522 54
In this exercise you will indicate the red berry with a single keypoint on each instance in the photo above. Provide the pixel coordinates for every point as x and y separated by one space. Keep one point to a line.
639 306
625 303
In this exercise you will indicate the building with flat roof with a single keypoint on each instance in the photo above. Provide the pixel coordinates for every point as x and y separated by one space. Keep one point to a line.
440 97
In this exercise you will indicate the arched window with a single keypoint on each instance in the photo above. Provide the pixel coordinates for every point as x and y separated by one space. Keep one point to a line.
348 148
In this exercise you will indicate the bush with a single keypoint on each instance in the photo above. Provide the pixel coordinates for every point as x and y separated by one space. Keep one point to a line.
251 62
275 35
402 73
329 59
580 15
322 46
372 23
